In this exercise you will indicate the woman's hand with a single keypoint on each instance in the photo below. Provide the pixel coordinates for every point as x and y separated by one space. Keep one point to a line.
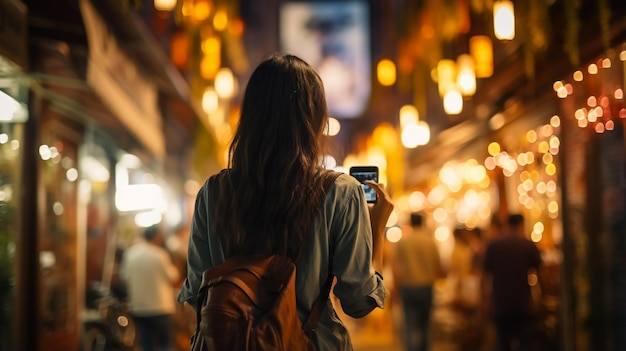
379 214
381 210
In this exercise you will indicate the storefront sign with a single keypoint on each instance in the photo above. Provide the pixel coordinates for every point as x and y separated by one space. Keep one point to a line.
118 81
13 31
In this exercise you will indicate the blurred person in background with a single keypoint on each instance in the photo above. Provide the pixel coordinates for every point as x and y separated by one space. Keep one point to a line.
460 266
151 278
184 320
416 266
509 259
176 244
476 334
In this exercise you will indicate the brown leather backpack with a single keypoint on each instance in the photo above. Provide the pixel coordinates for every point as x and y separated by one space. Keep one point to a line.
249 303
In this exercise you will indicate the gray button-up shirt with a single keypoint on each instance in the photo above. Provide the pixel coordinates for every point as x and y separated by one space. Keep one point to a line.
344 231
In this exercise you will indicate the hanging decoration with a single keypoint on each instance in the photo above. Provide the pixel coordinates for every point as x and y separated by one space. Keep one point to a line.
504 20
164 5
532 161
597 93
572 30
466 76
481 50
414 132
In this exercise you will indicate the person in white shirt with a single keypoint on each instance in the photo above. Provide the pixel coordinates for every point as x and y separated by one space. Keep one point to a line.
150 276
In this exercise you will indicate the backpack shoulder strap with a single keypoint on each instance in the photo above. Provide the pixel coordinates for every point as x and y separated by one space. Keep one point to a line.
316 312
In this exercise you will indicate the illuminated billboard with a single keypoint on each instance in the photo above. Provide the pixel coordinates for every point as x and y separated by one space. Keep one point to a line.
334 38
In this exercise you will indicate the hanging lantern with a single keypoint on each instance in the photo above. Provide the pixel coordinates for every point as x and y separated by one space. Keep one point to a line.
481 50
466 78
210 101
164 5
333 127
409 136
179 49
202 10
220 20
386 72
211 48
446 76
209 66
453 102
186 10
414 131
415 134
225 83
408 115
504 20
423 133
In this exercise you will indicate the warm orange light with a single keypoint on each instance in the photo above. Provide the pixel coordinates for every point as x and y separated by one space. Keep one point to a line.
610 125
179 50
225 82
236 27
211 46
493 148
453 102
599 129
578 76
386 72
466 77
333 127
415 134
209 65
504 20
446 76
164 5
201 10
187 8
210 101
481 49
423 133
408 115
220 20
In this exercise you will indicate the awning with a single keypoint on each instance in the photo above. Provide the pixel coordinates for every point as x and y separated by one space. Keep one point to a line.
120 84
469 139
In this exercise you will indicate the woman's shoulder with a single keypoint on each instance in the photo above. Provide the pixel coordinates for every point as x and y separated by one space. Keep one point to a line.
346 182
215 177
344 189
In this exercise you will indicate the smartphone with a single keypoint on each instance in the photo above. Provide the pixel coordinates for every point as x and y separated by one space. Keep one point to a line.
363 173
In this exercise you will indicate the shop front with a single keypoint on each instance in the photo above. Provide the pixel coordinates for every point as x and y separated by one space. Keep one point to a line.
74 145
593 110
13 115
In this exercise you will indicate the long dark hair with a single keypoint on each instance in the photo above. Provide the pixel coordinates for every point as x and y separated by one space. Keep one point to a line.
273 190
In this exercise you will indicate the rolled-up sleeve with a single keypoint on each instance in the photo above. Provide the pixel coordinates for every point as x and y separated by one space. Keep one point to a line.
358 287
